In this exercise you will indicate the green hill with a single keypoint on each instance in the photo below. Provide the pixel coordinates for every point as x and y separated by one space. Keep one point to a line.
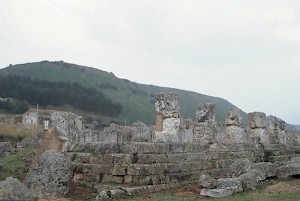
137 100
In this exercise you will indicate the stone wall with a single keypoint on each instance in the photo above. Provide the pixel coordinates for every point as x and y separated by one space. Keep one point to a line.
167 163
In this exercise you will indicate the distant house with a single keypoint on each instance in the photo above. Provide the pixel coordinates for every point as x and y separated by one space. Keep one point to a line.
51 118
36 117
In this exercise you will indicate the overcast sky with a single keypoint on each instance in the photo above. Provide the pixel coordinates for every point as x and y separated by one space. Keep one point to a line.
246 51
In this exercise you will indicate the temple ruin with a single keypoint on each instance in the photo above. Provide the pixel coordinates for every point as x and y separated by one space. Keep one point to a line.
176 151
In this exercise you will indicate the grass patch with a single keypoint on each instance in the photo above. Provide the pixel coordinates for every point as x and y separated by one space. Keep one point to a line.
191 193
14 163
15 133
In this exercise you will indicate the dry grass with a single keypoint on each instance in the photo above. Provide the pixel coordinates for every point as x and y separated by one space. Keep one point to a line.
18 131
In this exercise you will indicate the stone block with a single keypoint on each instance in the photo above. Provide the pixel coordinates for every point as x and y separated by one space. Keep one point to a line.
234 184
205 112
216 193
269 169
252 179
207 182
234 134
205 132
112 179
121 158
288 170
257 120
234 118
145 169
167 104
119 170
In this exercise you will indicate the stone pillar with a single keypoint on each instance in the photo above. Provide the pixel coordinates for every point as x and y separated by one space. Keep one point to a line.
205 128
234 128
257 128
167 119
276 130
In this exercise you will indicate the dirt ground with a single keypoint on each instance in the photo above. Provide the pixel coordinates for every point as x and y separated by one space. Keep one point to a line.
281 187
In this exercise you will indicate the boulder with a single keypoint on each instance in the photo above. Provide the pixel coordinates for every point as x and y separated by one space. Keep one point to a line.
205 112
29 142
207 182
252 179
51 175
11 189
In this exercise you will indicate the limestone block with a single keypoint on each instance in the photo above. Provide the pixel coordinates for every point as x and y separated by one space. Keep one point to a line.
112 179
167 104
206 181
269 169
122 158
171 125
276 130
234 134
288 170
145 169
258 135
257 120
170 131
232 183
252 179
119 170
240 167
11 189
216 193
205 112
204 132
51 175
234 118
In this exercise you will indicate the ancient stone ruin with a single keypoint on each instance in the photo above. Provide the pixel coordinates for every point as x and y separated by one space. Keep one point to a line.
224 158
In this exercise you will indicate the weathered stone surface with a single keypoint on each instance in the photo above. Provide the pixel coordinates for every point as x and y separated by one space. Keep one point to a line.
252 179
258 135
234 118
216 193
29 143
234 184
5 147
204 132
170 131
205 112
234 134
257 120
206 181
51 175
276 130
240 167
288 170
12 189
167 104
269 169
68 125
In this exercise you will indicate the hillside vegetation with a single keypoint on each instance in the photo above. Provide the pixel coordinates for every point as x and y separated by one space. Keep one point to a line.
45 93
137 100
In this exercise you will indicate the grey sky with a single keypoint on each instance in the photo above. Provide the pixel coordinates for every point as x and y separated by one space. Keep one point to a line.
246 51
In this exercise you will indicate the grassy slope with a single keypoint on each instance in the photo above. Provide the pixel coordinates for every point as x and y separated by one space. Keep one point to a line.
137 99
